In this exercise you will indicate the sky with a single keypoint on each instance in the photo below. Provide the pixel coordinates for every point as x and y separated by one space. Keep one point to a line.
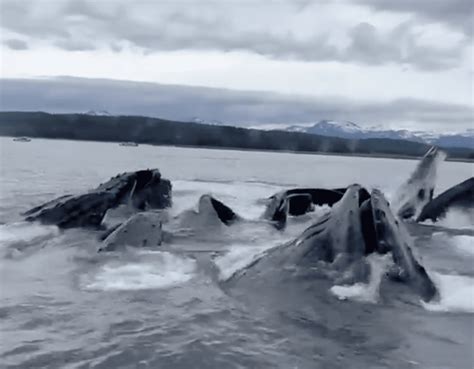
391 63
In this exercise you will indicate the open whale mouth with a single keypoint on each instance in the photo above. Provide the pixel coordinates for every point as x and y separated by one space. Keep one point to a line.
418 190
356 227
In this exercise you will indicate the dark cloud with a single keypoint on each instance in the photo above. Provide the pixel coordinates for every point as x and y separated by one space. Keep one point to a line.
457 14
166 26
16 44
399 46
69 94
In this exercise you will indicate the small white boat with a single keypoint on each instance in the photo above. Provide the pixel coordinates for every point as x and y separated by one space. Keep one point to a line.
128 144
22 139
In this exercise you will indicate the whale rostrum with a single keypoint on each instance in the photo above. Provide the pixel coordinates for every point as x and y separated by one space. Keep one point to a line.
144 189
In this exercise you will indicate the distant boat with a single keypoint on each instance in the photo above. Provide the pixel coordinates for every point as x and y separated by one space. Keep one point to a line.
128 144
22 139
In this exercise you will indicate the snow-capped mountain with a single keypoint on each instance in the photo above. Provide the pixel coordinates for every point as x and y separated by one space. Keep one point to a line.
98 112
203 121
345 129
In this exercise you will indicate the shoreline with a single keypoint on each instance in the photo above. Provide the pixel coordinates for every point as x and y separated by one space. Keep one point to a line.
322 153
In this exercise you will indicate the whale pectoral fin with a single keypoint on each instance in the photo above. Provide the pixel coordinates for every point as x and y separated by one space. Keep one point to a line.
225 213
109 231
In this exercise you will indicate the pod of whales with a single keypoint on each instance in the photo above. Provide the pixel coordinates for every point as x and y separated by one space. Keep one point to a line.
341 239
358 224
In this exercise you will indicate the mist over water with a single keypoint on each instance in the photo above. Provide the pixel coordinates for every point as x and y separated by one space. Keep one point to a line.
62 305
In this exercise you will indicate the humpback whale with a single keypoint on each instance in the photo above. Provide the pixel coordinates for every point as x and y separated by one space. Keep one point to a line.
460 196
418 190
340 240
143 189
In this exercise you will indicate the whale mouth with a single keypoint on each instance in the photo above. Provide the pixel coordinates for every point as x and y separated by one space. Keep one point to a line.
418 190
359 225
392 236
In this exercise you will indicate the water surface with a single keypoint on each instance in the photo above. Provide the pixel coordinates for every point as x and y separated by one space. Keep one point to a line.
62 305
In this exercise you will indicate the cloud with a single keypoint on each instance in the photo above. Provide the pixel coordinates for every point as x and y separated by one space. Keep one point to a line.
457 14
68 94
401 46
282 30
16 44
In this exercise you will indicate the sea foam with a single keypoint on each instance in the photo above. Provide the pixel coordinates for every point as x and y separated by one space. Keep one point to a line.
164 271
364 292
456 293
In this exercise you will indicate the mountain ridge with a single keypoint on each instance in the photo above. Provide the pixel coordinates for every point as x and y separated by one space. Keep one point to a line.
350 130
156 131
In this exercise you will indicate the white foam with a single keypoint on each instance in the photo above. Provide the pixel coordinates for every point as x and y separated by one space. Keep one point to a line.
25 232
165 271
456 293
456 219
364 292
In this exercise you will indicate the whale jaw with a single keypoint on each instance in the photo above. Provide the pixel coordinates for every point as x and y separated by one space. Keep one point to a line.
418 191
392 235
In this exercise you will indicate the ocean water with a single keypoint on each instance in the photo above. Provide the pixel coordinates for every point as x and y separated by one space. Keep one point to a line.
63 305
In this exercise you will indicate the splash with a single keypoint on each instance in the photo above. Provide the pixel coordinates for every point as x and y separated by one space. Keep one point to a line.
20 233
456 294
455 219
167 270
365 292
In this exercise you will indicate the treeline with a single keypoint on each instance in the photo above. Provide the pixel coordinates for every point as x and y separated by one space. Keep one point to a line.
165 132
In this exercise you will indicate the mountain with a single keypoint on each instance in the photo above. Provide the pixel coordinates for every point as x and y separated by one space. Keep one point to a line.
350 130
203 121
98 113
156 131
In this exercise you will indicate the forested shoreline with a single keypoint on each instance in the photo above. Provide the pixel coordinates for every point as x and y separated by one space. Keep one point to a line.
157 131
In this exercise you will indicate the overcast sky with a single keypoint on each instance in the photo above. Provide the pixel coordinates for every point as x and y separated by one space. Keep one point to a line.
396 63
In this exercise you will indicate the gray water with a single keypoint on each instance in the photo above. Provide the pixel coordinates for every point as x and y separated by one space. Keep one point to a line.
62 305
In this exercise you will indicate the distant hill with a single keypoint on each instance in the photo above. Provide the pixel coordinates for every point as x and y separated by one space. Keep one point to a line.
166 132
350 130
